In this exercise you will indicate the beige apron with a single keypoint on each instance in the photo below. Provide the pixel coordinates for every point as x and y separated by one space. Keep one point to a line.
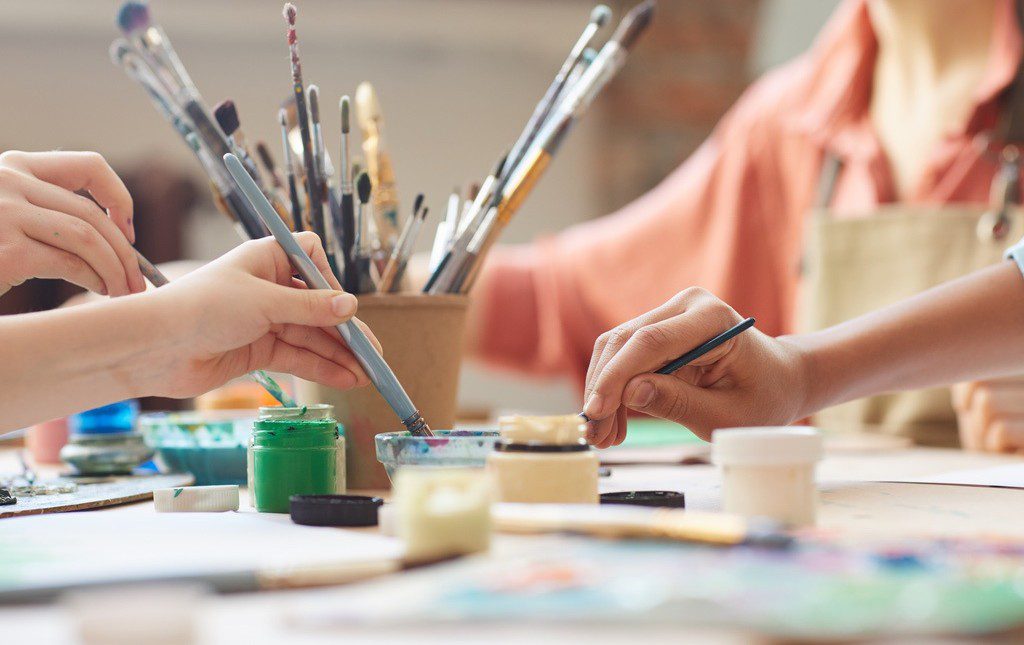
854 266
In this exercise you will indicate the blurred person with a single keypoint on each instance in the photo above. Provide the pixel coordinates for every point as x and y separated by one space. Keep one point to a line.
878 164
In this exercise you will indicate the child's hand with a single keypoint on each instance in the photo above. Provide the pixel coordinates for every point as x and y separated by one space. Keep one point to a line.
47 231
752 379
245 311
990 414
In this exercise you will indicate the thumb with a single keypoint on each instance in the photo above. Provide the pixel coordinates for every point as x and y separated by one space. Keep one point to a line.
667 397
310 307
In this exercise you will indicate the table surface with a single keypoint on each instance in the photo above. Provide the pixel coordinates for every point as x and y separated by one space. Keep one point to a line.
855 498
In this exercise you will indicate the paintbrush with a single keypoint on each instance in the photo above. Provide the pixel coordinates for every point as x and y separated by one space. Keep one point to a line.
672 366
520 180
324 177
378 163
446 231
269 167
226 115
598 18
363 248
122 55
158 279
442 277
348 209
289 169
313 194
392 274
381 375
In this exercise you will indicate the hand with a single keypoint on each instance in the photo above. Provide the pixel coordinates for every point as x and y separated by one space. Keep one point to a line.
752 379
991 414
48 231
245 311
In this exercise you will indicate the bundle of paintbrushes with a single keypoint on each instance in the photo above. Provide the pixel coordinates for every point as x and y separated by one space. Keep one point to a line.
357 215
465 235
367 246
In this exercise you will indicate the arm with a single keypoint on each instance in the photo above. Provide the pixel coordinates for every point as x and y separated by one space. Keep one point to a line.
966 329
242 312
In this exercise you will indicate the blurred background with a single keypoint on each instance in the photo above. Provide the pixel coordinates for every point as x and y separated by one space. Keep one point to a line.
457 80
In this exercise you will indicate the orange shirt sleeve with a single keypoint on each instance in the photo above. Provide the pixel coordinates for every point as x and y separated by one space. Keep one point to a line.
709 224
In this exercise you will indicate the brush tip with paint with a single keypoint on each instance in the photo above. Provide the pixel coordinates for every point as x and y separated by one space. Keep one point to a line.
417 203
133 17
345 105
600 15
227 116
634 24
364 187
263 152
289 12
118 50
314 102
282 117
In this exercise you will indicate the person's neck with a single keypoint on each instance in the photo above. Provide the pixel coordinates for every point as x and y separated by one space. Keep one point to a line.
922 40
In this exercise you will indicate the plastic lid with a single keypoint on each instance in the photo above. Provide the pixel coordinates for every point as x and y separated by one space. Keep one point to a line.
648 498
196 499
766 446
335 510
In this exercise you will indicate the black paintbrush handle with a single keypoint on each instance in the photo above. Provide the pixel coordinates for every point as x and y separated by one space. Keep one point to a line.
348 240
246 214
316 204
293 195
697 352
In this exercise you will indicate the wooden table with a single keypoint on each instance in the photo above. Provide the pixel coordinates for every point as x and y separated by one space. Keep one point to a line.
855 498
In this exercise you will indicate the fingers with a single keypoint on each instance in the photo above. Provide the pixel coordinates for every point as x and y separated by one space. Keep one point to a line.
77 237
990 415
75 171
326 345
310 307
48 262
309 365
58 199
631 351
667 397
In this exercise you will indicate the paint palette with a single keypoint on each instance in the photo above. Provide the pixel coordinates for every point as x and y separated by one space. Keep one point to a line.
452 448
820 589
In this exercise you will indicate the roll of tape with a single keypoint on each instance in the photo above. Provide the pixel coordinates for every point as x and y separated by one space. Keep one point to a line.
196 499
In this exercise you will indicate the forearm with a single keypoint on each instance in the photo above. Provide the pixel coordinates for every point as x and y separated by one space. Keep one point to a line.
969 328
64 361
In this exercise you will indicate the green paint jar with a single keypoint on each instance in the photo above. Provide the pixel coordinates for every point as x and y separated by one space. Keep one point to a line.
295 451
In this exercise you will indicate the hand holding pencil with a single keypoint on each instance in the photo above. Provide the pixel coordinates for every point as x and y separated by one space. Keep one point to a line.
733 379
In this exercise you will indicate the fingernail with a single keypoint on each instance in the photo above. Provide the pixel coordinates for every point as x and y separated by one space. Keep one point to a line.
593 407
344 305
641 396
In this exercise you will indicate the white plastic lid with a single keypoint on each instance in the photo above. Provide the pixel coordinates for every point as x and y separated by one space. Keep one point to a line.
766 446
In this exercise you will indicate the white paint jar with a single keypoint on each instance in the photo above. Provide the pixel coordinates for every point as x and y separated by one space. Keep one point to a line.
769 472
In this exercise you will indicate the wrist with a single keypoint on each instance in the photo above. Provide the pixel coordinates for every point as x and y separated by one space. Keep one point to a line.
153 346
814 381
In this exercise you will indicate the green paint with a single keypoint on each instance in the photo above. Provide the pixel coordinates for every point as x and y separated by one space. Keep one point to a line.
177 491
295 452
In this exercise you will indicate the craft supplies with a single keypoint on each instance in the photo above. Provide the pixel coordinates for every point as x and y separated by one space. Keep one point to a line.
442 512
6 498
446 449
295 451
335 510
83 493
616 521
210 444
103 441
769 472
369 358
543 460
196 499
648 498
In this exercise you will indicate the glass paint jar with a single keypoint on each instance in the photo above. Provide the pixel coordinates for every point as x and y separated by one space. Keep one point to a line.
295 451
543 460
769 472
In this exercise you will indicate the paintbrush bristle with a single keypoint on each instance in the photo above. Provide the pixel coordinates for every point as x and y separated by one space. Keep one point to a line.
314 103
118 50
267 159
282 117
417 203
474 190
423 213
227 116
601 15
133 17
364 187
345 106
289 12
635 23
500 167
